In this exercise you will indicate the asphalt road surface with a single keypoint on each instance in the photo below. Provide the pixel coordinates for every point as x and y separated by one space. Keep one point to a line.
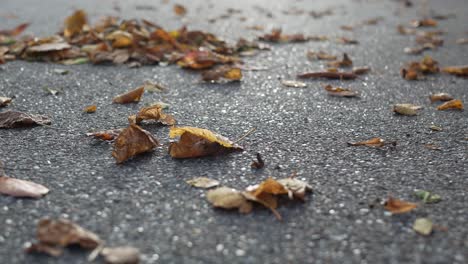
146 203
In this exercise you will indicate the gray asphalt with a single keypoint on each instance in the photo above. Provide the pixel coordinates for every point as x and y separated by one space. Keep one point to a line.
146 203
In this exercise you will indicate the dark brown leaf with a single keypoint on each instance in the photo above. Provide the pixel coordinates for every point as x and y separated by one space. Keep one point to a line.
14 119
132 141
154 112
329 75
259 163
345 62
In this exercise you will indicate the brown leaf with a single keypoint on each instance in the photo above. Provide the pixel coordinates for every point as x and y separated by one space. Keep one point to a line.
265 194
406 109
341 92
130 96
427 22
203 182
259 163
373 142
197 142
180 10
197 60
440 97
15 31
4 101
224 72
120 39
345 62
293 83
48 47
461 71
361 70
132 141
64 233
21 188
276 36
121 255
419 49
106 135
90 109
321 55
296 188
74 24
347 41
227 198
14 119
396 206
44 248
452 104
415 69
329 75
154 112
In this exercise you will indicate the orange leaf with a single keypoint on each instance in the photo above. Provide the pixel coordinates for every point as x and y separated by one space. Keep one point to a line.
129 97
180 10
107 135
154 112
461 71
373 142
452 104
90 109
131 141
396 206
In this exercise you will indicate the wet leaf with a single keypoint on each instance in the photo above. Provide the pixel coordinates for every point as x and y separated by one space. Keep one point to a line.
396 206
130 96
361 70
121 255
406 109
259 163
373 142
21 188
132 141
197 142
4 101
14 119
296 188
227 198
180 10
423 226
455 104
328 75
74 24
154 112
427 197
341 92
321 55
64 233
461 71
107 135
345 62
293 83
203 182
90 109
440 97
223 73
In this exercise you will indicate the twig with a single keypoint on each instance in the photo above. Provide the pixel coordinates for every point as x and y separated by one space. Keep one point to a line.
245 135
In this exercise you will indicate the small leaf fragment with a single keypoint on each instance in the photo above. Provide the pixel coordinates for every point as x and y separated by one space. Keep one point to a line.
61 71
329 75
341 92
427 197
259 163
440 97
426 22
154 112
180 10
44 249
90 109
455 104
406 109
461 71
293 83
296 188
21 188
52 91
14 119
130 96
396 206
107 135
435 128
121 255
320 55
4 101
132 141
373 142
361 70
345 62
227 73
203 182
423 226
229 198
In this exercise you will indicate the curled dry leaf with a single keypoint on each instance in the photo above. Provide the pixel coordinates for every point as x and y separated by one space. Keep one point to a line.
4 101
74 24
259 163
345 62
423 226
455 104
180 10
227 73
197 60
321 55
328 75
461 71
415 69
154 112
227 198
429 40
90 109
15 31
64 233
341 92
361 70
203 182
406 109
198 142
120 39
131 141
121 255
265 194
129 97
296 188
440 97
14 119
419 49
107 135
21 188
396 206
293 83
276 36
154 87
373 142
435 128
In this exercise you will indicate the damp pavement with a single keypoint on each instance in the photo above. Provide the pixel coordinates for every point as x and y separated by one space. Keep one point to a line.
146 203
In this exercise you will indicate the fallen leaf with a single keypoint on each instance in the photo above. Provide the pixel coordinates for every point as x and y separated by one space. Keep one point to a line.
74 24
153 87
405 31
462 41
121 255
259 163
44 249
361 70
75 61
15 31
429 41
432 147
427 22
406 109
452 104
107 135
223 73
48 47
90 109
427 197
4 101
396 206
120 39
21 188
329 75
180 10
265 194
419 49
373 142
423 226
227 198
64 233
154 112
276 36
130 96
197 142
198 60
61 71
293 83
132 141
341 92
440 97
296 188
52 91
435 128
415 69
347 41
345 62
203 182
14 119
461 71
321 55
